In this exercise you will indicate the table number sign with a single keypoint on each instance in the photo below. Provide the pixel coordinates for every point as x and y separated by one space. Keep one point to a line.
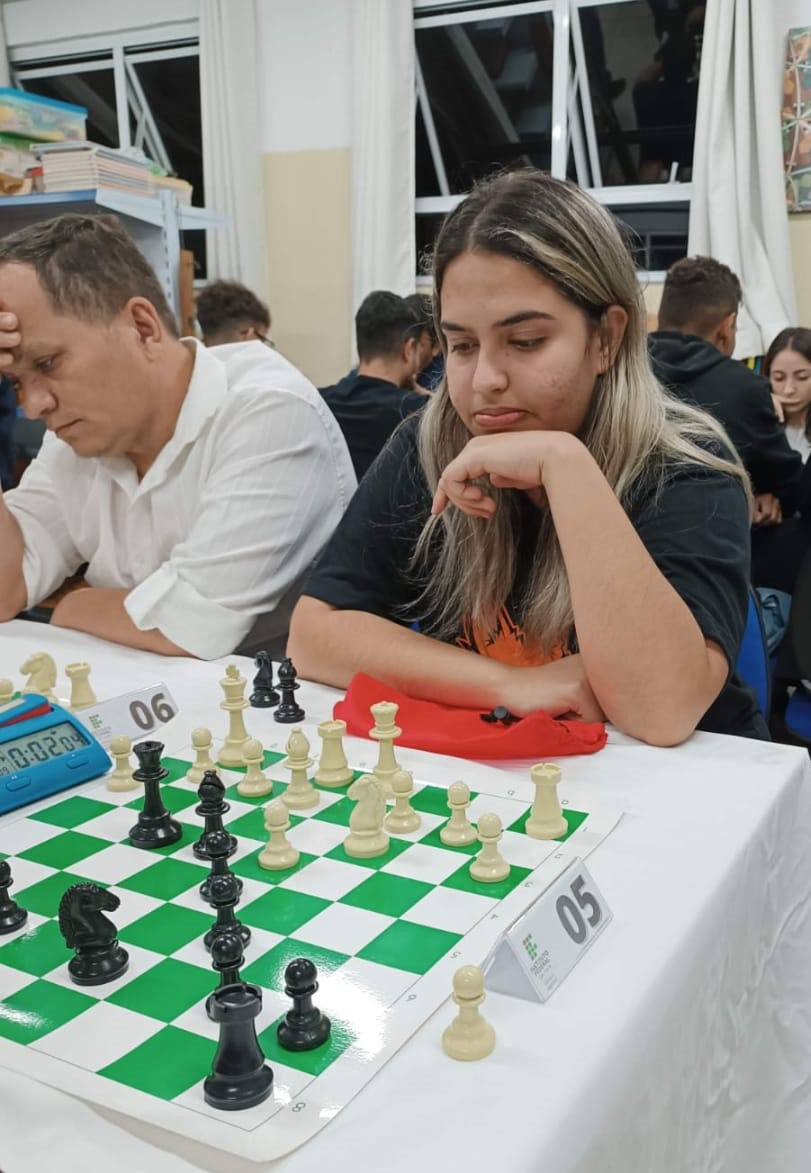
137 715
540 948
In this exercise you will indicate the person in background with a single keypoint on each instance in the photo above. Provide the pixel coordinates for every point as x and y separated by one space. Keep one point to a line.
691 354
431 364
198 485
787 366
372 400
230 312
565 536
8 417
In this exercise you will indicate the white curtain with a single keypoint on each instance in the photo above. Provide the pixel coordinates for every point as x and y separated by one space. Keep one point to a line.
231 104
738 211
5 71
383 249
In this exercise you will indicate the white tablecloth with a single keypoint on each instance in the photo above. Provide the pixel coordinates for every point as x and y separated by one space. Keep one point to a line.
680 1044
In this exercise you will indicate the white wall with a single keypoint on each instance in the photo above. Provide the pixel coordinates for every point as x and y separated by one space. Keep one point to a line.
791 14
308 84
34 22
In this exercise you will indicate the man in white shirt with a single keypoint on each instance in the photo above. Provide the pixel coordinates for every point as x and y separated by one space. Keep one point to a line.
199 486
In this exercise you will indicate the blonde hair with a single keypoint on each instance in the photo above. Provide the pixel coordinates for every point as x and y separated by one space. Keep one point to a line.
632 427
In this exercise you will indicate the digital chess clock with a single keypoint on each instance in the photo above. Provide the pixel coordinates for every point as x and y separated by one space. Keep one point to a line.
44 749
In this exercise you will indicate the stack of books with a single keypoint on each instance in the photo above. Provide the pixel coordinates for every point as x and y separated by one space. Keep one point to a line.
80 165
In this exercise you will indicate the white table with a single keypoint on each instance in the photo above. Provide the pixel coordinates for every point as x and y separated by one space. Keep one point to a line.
681 1043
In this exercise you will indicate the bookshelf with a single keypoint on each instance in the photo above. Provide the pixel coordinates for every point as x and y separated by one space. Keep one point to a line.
154 222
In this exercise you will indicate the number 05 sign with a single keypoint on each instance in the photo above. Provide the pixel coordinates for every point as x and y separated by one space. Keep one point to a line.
135 714
547 941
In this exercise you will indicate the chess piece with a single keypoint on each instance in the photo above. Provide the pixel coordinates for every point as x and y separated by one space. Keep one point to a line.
81 694
239 1077
458 832
233 685
333 769
6 690
41 671
254 783
384 733
219 846
155 826
366 838
489 866
403 818
99 958
546 819
469 1036
202 741
288 712
227 957
263 695
304 1027
122 777
211 807
300 794
224 896
279 855
12 917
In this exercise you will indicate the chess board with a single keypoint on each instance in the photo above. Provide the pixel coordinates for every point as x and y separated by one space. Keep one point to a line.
386 934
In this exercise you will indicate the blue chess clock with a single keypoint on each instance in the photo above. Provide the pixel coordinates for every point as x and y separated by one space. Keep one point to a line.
44 749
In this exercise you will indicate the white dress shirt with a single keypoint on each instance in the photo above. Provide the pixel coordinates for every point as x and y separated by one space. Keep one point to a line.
234 509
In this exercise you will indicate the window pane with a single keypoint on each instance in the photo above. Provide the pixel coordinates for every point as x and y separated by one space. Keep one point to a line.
94 89
657 233
489 86
642 61
172 92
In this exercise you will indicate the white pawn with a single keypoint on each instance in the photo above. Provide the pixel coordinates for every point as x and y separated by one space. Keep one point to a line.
489 866
202 741
6 690
121 778
366 838
81 694
403 818
254 783
279 854
469 1036
333 769
546 819
458 831
300 794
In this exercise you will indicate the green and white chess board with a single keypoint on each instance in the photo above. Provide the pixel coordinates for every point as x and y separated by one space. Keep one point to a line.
386 934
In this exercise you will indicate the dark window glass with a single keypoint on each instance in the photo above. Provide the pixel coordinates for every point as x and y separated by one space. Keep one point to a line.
94 89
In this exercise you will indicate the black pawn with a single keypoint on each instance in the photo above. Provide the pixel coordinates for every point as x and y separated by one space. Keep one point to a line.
99 958
288 711
227 957
155 826
239 1078
212 806
264 695
218 848
304 1028
11 915
224 896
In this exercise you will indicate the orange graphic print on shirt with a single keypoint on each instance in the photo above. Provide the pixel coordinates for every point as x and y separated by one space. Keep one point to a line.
507 643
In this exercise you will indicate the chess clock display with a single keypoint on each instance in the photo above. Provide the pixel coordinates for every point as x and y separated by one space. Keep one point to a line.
44 749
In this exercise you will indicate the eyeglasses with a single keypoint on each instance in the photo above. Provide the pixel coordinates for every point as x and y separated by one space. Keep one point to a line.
264 338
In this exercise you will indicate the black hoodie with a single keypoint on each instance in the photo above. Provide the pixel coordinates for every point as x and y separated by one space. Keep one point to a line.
698 373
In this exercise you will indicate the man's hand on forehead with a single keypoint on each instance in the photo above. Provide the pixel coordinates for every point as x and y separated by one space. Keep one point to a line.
10 339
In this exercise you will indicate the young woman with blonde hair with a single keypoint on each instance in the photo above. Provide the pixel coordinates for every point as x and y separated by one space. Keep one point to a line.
552 510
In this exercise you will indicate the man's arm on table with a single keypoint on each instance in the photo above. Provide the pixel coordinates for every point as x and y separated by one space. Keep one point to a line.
13 593
100 611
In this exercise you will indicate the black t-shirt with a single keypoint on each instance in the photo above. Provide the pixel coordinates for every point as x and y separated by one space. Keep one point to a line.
368 410
696 530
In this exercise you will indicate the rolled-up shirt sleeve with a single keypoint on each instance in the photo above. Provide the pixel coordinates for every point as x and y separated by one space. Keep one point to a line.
39 506
274 490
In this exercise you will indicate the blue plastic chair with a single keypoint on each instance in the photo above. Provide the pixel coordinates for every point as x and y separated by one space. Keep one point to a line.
753 665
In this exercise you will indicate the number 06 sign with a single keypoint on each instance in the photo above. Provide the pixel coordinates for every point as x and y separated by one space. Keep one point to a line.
135 714
547 941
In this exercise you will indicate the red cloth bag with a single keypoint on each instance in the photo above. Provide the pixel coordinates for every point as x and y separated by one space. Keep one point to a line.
462 733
